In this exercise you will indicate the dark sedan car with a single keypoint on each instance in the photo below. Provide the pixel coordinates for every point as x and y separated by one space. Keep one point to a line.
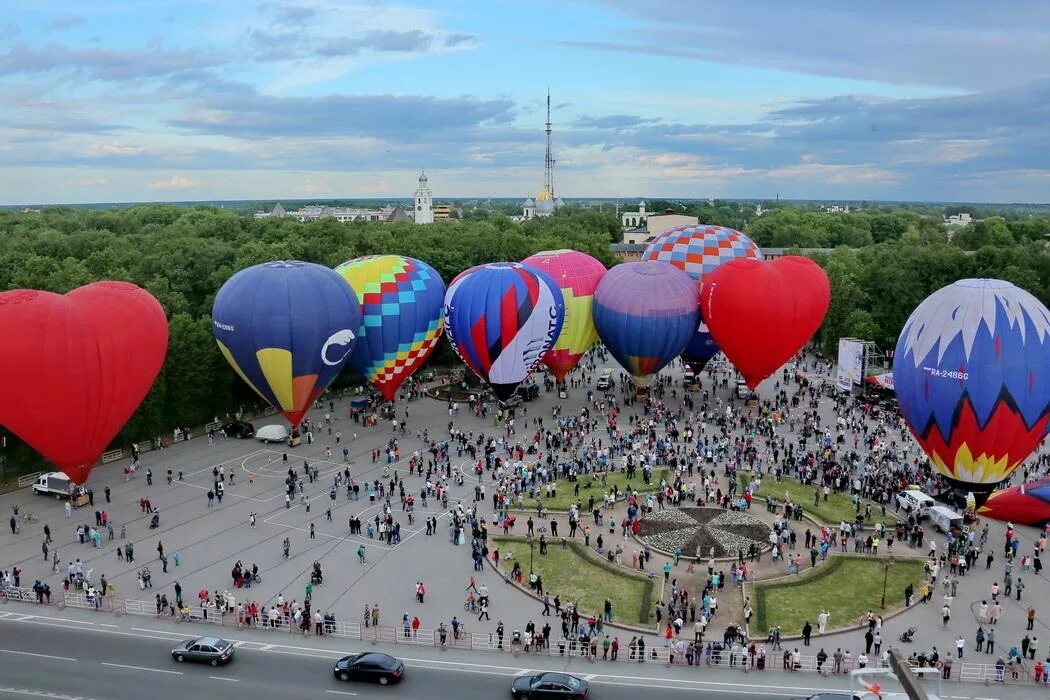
208 650
239 429
370 666
548 685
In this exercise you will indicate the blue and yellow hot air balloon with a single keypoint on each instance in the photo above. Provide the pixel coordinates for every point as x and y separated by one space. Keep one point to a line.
402 300
287 328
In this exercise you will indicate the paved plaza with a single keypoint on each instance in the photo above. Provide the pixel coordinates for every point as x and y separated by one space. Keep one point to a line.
209 540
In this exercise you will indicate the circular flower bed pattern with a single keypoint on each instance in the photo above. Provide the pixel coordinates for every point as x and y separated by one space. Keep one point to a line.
700 529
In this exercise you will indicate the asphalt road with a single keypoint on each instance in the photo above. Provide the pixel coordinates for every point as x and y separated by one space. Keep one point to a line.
38 661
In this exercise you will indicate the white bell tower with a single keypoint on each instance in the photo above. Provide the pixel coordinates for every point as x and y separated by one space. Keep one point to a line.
424 201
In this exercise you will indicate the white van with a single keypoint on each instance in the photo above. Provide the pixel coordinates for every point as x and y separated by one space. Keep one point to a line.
605 380
742 390
916 502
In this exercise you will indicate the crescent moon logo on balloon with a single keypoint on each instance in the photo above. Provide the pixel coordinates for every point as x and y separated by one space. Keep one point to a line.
344 339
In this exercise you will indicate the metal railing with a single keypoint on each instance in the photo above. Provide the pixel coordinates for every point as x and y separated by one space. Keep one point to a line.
28 479
657 652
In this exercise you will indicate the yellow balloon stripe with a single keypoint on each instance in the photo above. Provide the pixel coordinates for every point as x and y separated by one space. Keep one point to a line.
276 366
578 334
236 368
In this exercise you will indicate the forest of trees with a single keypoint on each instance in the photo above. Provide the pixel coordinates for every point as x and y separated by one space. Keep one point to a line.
883 264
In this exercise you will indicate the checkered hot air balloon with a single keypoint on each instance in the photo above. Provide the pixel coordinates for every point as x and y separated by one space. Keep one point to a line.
972 375
577 275
697 249
501 318
401 317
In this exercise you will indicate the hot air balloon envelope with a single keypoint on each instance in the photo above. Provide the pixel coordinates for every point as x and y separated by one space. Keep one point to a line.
287 328
971 375
763 312
402 300
697 249
577 275
501 318
75 367
645 313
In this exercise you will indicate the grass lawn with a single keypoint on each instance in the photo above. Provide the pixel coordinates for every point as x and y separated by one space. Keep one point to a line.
837 508
578 576
590 485
847 587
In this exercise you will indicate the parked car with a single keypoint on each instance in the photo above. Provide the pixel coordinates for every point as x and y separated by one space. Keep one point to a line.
914 501
605 381
528 392
272 433
548 685
207 650
239 429
370 666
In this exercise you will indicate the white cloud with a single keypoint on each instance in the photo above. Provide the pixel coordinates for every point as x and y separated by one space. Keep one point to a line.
177 182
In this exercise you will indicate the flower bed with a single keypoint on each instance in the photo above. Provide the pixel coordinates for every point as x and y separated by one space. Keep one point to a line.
701 529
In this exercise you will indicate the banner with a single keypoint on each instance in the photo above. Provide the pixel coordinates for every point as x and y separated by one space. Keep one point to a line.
850 369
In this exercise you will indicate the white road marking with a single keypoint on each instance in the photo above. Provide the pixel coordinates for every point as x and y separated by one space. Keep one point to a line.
41 656
339 692
39 694
590 676
224 678
103 624
522 672
142 668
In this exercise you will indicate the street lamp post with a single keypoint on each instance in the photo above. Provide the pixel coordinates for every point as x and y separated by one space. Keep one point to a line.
885 578
532 550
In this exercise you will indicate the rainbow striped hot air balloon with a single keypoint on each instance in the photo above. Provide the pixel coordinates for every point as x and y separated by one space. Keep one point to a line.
287 328
972 375
401 317
645 313
577 275
697 250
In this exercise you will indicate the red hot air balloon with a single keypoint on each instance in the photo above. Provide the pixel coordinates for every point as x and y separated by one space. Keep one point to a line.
75 367
762 313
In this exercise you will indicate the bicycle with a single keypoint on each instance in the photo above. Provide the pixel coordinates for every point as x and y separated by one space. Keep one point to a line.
471 604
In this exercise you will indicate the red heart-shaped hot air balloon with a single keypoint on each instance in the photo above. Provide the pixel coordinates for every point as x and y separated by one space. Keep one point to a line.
762 312
74 367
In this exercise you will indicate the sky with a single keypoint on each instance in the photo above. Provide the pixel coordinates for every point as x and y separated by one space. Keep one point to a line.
116 101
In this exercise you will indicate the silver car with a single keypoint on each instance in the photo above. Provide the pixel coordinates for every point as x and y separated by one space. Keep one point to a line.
208 650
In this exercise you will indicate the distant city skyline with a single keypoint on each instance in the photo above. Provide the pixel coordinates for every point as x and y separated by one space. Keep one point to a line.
102 101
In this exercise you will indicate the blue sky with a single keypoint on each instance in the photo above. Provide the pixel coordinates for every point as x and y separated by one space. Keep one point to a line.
153 100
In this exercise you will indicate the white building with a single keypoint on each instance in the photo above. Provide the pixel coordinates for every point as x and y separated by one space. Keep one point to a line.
634 219
963 219
424 201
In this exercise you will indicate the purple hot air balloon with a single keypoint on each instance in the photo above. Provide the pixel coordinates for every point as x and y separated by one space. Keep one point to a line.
645 314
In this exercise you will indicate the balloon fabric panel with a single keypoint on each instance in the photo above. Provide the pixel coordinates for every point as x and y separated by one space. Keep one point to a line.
971 378
83 361
287 328
577 275
1025 504
401 317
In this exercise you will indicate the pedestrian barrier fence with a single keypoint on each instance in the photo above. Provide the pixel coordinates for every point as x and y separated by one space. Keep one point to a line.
112 456
28 479
213 426
144 446
490 641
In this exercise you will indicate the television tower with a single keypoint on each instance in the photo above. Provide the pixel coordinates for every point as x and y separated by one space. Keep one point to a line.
548 163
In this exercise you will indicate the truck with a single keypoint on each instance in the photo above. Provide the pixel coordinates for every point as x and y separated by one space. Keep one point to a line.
54 483
945 519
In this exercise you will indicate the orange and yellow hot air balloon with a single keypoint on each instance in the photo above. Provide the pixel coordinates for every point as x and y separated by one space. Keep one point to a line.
577 275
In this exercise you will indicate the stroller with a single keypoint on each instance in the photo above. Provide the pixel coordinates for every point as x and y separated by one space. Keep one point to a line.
315 576
154 522
909 634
